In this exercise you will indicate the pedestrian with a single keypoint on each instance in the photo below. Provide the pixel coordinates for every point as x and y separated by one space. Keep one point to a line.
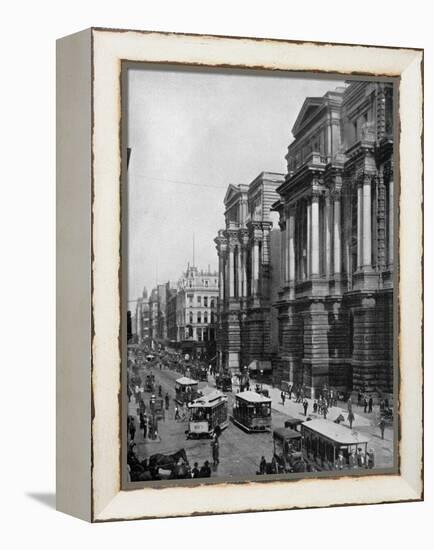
176 412
370 463
282 394
305 406
132 428
205 471
167 401
262 465
351 419
359 398
324 411
352 461
370 404
382 426
195 471
365 404
315 406
289 393
215 450
145 427
361 460
340 461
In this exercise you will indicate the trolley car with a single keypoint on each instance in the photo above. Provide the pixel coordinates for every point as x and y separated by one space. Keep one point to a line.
324 440
252 411
186 390
207 413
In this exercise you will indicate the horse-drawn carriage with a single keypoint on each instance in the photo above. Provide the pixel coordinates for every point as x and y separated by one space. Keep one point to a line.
149 383
287 451
199 372
158 466
223 382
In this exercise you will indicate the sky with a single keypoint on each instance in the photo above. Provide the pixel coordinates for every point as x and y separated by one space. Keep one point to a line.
192 133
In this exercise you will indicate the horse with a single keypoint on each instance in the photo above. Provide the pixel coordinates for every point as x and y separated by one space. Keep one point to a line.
167 462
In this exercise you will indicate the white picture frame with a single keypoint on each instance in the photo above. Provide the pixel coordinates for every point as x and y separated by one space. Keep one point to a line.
88 273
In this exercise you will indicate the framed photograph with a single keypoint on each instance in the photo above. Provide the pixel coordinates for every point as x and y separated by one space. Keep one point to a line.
239 274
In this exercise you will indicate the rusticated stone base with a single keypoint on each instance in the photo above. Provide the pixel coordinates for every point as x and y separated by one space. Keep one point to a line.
342 342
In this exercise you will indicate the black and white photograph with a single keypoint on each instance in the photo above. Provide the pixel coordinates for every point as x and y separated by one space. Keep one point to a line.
258 261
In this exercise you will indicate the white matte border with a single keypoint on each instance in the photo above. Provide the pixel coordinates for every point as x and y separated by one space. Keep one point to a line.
109 48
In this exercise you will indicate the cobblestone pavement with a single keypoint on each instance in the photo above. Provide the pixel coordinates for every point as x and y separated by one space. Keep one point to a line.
240 451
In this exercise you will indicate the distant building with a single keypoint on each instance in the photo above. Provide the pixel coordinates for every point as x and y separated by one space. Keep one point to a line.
335 305
248 278
154 316
141 318
196 303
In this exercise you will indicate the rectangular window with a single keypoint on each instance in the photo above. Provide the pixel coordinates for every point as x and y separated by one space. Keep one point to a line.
205 301
199 300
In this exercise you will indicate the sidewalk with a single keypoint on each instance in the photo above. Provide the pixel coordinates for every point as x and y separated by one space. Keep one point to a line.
291 408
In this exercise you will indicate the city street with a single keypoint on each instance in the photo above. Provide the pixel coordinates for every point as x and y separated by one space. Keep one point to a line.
240 451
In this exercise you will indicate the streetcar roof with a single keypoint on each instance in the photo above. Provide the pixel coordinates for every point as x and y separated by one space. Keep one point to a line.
208 400
294 420
335 432
184 381
286 433
252 397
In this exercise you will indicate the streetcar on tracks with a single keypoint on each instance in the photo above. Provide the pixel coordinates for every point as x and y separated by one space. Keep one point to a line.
252 411
186 390
324 440
208 414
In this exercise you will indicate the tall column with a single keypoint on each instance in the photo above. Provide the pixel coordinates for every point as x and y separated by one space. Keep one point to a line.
282 253
367 237
291 251
221 276
359 225
308 239
231 271
327 229
239 271
337 260
255 266
390 224
315 236
287 258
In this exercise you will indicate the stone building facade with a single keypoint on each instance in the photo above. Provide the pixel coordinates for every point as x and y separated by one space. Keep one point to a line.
336 219
196 305
141 318
246 274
